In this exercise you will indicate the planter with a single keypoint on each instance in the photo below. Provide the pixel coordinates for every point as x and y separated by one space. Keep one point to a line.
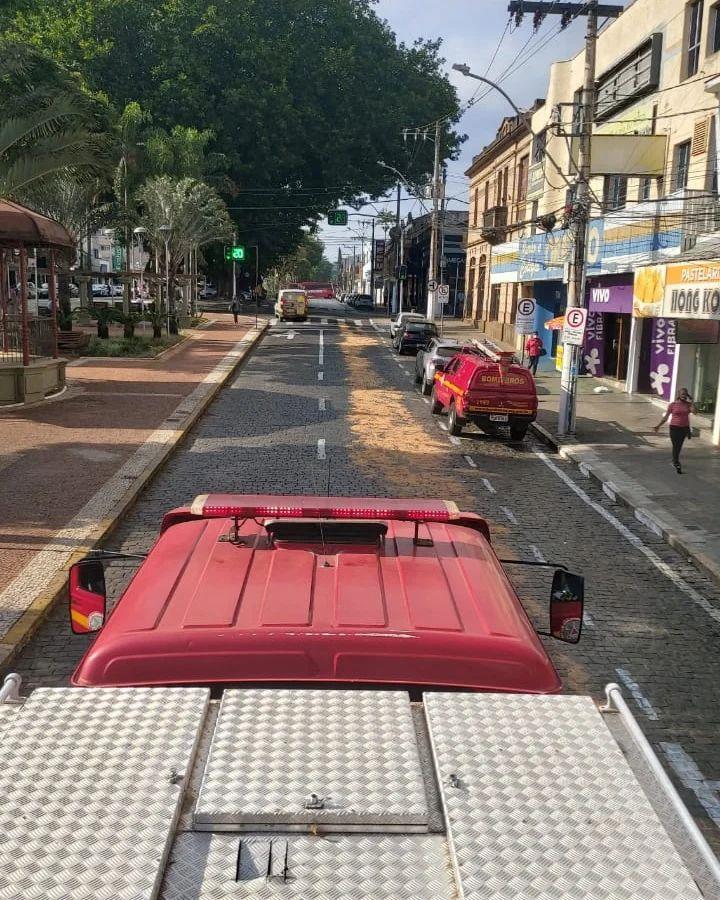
28 384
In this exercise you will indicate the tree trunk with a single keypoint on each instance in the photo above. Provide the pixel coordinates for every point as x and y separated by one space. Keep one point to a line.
64 307
157 331
129 329
102 330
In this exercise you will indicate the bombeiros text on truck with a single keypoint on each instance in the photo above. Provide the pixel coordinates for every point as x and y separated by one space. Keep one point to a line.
330 697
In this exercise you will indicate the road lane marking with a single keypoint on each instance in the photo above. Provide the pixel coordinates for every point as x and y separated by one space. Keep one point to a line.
637 694
454 439
535 550
589 621
321 448
323 321
633 539
321 350
320 376
489 486
358 322
468 459
441 425
509 515
321 404
426 400
689 773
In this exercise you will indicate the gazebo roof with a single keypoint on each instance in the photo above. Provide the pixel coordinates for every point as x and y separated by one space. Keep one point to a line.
22 227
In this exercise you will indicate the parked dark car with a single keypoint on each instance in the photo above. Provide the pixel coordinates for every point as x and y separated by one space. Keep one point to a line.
363 301
414 335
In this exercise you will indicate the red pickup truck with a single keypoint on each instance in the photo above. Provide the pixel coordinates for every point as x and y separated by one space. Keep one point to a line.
310 589
485 387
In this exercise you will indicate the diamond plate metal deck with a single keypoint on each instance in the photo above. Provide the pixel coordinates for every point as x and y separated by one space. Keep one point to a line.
540 803
338 867
88 805
8 711
272 750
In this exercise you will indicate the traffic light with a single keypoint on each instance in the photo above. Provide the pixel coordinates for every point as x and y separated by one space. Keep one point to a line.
337 217
234 253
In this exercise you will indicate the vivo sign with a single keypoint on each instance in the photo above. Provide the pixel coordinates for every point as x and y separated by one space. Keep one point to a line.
611 298
600 295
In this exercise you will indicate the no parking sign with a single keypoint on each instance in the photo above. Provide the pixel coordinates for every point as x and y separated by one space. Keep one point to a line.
574 328
525 316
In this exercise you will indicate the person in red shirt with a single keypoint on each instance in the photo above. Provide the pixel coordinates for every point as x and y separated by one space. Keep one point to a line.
679 414
534 349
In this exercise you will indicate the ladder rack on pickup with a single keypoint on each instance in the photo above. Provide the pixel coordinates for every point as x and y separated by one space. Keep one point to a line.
141 792
490 349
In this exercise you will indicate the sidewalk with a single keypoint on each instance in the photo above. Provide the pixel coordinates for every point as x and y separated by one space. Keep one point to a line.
614 444
69 467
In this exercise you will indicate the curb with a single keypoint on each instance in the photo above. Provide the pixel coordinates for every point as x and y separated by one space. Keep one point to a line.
25 627
651 515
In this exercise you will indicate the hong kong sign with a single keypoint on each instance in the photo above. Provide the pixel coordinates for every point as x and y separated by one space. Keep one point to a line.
692 291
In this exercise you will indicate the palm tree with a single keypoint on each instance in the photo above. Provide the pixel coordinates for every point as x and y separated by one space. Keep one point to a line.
180 215
47 126
75 205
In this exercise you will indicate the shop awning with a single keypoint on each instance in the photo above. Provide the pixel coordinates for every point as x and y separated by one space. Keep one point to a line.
555 324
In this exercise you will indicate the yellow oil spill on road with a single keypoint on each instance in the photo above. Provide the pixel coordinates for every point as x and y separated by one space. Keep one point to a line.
388 439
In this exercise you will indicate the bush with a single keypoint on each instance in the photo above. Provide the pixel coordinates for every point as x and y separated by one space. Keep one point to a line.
134 346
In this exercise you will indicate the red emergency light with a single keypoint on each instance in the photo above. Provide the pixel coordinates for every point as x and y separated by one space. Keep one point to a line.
260 506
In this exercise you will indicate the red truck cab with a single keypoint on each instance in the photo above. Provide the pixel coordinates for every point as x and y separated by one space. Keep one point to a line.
306 590
486 387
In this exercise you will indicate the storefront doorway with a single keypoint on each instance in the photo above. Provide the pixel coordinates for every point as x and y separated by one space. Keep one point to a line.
617 344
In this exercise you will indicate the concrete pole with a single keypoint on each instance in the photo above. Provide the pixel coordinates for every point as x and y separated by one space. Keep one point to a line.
432 267
580 217
24 323
4 303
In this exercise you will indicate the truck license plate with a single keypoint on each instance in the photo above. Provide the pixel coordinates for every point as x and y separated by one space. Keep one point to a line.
498 418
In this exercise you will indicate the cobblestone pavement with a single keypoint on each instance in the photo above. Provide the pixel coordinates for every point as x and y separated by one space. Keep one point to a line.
653 620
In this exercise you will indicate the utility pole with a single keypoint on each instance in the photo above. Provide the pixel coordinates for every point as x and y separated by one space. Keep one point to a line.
234 284
432 268
398 284
580 209
372 262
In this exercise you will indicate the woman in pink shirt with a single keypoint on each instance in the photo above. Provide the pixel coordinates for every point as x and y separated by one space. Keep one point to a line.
679 414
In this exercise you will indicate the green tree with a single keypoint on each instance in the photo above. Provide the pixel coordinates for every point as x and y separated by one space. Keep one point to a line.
47 126
179 216
303 98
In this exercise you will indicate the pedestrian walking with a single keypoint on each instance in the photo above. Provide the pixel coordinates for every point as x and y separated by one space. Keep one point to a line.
235 308
679 414
534 349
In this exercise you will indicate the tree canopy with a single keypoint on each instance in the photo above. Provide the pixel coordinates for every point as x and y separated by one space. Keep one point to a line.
294 102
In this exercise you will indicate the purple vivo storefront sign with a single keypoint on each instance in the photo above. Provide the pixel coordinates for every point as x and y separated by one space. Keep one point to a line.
662 356
610 296
594 346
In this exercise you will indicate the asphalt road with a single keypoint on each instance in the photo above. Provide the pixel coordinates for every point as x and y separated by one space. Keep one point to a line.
326 407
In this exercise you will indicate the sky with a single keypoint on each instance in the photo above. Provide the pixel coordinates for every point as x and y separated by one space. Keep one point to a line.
471 31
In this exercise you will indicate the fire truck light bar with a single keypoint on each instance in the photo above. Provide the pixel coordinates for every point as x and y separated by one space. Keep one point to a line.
259 506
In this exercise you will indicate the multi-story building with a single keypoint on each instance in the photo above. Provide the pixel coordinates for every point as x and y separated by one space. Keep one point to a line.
498 191
452 228
653 240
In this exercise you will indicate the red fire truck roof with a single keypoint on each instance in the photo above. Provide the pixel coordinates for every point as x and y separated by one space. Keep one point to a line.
322 590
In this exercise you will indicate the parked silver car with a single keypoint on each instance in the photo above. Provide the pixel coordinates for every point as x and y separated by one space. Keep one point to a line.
439 350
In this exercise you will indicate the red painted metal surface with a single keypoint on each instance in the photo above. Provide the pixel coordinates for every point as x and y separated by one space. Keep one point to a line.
204 610
479 385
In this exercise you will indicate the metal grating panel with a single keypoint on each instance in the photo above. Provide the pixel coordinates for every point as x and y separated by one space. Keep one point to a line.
88 801
381 867
272 750
8 711
540 803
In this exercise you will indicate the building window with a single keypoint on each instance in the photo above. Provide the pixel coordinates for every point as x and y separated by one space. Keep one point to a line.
96 253
482 274
615 192
644 188
714 29
681 168
513 308
475 207
522 178
538 147
694 31
494 311
487 194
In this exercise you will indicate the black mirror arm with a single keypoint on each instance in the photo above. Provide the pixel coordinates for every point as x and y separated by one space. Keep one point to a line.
528 562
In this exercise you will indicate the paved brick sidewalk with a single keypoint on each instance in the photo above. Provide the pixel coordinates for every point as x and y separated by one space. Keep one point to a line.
65 463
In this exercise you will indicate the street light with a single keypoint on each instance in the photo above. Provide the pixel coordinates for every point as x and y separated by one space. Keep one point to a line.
165 232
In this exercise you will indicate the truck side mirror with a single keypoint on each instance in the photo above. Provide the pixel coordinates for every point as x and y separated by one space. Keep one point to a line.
88 599
567 599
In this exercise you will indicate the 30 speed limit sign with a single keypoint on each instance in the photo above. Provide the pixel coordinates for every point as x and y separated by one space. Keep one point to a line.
574 328
525 316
